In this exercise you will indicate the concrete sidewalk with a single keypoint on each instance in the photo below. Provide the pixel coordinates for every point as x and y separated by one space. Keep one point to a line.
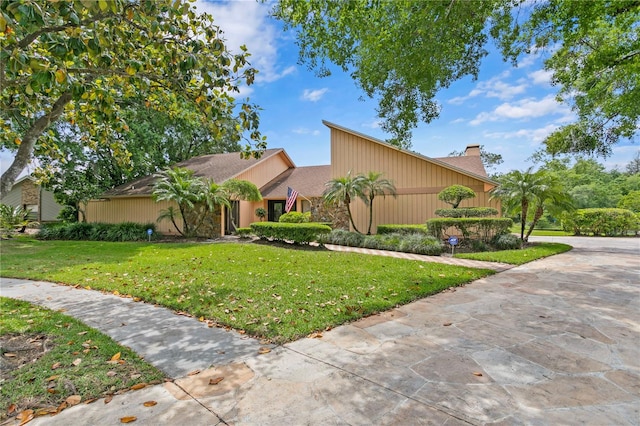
556 341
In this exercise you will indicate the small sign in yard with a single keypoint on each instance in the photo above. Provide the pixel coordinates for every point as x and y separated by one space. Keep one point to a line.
453 241
149 232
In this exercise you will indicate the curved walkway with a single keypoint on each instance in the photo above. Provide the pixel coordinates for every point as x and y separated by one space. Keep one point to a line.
556 341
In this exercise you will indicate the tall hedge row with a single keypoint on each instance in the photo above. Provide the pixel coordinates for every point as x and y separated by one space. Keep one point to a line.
483 228
608 221
299 233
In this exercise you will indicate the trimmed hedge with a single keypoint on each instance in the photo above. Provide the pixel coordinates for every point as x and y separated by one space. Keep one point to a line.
607 221
298 233
244 232
402 229
403 242
82 231
467 212
506 242
483 229
295 217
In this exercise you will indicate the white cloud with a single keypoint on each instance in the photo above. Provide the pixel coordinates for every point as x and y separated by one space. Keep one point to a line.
523 109
313 95
305 131
495 87
533 135
375 124
541 77
247 23
457 120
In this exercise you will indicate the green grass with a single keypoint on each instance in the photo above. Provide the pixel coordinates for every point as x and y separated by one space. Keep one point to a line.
515 229
271 292
37 385
518 257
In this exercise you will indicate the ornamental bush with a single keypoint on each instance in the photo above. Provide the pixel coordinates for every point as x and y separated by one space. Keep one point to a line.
82 231
343 238
298 233
483 229
402 229
467 212
506 242
607 221
295 217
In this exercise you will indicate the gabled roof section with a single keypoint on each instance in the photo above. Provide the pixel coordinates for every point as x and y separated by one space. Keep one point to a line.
468 165
309 181
218 167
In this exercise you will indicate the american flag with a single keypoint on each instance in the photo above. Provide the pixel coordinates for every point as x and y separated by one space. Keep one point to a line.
292 194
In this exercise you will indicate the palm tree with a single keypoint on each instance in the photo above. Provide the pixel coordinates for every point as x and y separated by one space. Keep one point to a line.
178 185
518 191
551 195
374 185
343 190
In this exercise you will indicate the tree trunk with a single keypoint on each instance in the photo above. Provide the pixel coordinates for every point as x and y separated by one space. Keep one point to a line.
351 219
523 219
536 218
25 150
370 215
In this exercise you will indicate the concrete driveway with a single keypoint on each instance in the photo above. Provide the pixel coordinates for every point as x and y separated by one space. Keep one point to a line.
556 341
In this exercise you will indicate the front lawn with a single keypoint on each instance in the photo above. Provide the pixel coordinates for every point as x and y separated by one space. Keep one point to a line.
272 292
73 363
518 257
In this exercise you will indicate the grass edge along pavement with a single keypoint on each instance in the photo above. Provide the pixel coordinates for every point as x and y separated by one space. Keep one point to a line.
530 253
270 292
74 364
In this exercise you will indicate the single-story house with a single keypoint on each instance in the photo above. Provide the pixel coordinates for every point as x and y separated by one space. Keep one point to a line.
417 178
26 193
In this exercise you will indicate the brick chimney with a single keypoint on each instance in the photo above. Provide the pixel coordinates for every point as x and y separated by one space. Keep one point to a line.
472 150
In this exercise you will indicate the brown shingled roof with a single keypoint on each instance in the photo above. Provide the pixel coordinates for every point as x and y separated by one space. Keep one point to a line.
309 181
219 167
471 163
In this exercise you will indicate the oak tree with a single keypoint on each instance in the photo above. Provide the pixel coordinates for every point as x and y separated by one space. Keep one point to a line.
79 61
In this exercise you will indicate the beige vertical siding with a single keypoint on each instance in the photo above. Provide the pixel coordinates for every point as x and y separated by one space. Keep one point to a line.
49 209
417 181
134 209
13 198
265 171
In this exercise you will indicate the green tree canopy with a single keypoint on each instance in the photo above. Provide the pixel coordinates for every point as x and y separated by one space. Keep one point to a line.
342 190
81 60
375 185
595 62
403 52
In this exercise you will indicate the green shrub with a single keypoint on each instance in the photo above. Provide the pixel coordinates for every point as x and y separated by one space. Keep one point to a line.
483 229
68 214
295 217
421 244
126 231
343 238
506 242
402 229
467 212
244 232
298 233
479 246
606 221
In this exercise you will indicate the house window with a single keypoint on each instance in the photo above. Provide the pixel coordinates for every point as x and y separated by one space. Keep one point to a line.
306 206
276 209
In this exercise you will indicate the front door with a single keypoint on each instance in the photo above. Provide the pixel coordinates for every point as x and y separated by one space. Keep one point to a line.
276 209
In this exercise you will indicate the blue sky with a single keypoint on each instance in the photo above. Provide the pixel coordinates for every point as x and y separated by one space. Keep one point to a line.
508 110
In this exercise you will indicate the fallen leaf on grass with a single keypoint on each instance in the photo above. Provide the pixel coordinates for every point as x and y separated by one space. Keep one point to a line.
149 403
73 400
475 373
10 355
216 380
62 406
193 373
90 400
138 386
263 351
52 378
55 365
108 399
315 336
46 410
76 362
128 419
111 373
115 357
82 333
447 324
12 408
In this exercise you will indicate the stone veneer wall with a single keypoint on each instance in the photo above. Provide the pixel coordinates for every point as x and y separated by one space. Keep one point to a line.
336 215
30 193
